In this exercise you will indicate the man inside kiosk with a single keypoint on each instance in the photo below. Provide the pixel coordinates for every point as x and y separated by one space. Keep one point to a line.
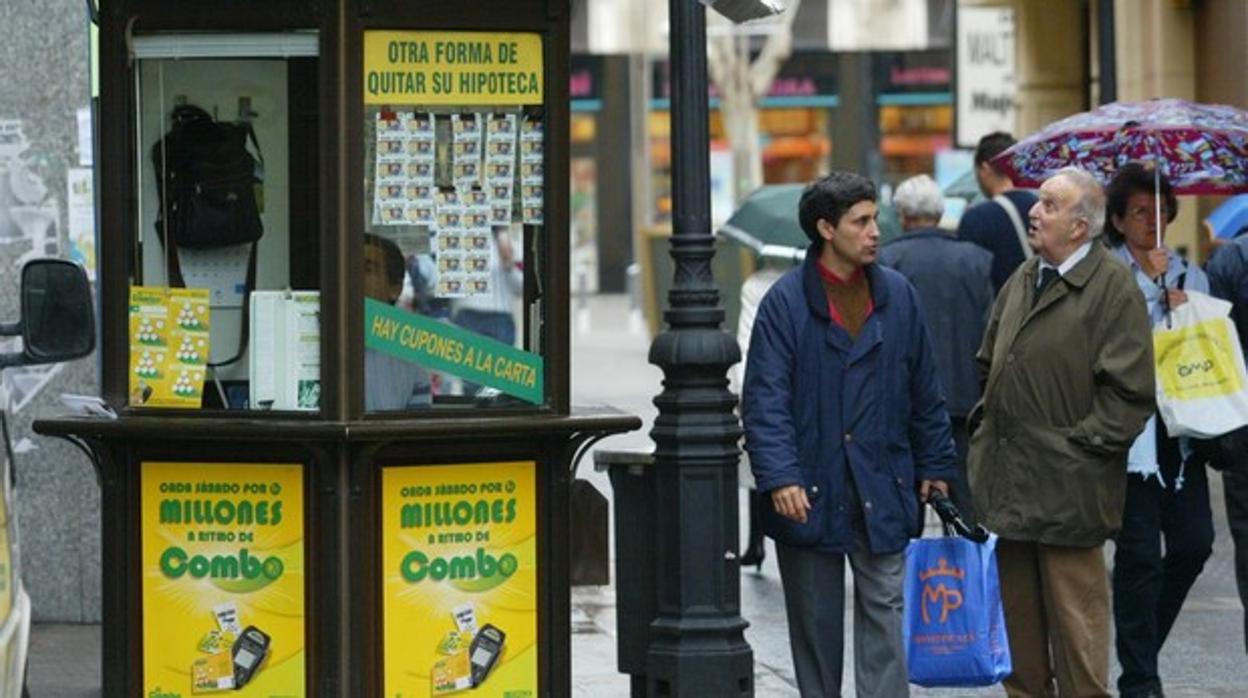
390 383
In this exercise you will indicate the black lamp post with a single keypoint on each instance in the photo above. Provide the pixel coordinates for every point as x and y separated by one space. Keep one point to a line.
697 641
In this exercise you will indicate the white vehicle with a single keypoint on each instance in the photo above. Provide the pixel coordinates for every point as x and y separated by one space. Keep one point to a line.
57 324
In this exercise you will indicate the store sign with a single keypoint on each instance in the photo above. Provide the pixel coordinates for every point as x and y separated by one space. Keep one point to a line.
585 78
804 74
460 579
222 579
453 68
987 85
442 347
907 72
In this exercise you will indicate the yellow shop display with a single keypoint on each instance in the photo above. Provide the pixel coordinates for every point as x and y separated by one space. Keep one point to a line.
169 344
223 555
460 580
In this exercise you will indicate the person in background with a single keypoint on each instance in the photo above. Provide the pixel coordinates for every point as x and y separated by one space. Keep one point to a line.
752 291
390 383
847 431
1167 488
998 225
1228 280
493 314
954 281
1068 359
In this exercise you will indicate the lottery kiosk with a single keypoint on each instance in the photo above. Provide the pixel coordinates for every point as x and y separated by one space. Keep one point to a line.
334 318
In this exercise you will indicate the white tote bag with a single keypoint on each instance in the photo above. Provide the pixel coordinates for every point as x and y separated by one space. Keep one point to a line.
1202 388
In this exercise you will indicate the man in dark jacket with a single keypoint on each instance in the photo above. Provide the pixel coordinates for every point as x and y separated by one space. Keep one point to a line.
998 225
1228 280
846 430
954 282
1069 361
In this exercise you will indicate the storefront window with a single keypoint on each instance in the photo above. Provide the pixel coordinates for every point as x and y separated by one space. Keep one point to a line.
911 136
224 303
454 192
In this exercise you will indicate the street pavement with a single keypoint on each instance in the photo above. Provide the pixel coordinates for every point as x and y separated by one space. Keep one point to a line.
1203 658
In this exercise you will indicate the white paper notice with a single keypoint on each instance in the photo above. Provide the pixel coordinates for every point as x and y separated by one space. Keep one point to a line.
86 149
81 185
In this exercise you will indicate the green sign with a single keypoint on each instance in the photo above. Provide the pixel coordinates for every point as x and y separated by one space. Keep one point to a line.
443 347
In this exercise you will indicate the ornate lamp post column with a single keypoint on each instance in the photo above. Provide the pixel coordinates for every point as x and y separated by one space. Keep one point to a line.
697 642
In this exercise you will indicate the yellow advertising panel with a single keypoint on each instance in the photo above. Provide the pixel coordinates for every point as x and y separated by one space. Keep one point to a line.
452 68
460 580
223 582
169 343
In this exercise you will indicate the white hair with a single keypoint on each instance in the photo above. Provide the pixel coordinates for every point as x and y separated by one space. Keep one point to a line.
919 197
1091 204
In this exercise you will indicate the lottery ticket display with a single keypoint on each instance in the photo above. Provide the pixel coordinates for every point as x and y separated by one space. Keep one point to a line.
532 159
406 148
500 163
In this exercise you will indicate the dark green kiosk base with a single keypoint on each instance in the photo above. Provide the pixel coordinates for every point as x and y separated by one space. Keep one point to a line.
342 468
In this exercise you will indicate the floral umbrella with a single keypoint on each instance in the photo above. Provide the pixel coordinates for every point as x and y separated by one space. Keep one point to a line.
1202 148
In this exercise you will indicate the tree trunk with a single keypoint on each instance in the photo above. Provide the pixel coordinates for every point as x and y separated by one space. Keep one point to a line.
741 84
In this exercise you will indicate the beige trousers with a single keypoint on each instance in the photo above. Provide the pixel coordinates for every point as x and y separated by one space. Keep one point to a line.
1057 614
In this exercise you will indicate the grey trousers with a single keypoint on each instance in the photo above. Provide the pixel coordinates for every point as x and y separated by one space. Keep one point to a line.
814 600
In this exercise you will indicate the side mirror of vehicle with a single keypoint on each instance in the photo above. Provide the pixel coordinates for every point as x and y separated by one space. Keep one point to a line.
58 320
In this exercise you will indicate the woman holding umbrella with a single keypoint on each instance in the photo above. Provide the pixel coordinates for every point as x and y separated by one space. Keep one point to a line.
1165 498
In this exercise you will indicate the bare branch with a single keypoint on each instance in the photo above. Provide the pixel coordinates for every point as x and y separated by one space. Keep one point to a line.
776 49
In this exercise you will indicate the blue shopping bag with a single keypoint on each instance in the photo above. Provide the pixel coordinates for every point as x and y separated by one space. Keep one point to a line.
955 625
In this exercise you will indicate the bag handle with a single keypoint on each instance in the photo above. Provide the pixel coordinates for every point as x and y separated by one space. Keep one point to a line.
176 279
952 518
1019 229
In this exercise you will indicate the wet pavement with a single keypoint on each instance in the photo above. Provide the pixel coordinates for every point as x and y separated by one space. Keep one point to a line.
1204 657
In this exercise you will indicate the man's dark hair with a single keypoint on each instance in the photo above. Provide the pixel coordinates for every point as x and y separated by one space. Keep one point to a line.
829 197
1134 178
992 145
395 266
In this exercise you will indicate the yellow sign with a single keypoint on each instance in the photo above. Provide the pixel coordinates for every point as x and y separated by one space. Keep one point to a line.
460 580
452 68
223 582
169 343
1197 361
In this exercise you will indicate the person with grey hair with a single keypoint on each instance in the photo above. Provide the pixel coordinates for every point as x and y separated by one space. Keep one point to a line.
954 283
1068 364
919 201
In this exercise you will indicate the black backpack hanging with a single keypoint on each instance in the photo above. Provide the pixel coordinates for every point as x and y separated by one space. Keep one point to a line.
206 184
206 180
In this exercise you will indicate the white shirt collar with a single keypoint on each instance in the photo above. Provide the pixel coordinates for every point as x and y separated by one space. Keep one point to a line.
1070 262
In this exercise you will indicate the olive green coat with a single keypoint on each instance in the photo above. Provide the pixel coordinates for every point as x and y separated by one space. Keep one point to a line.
1069 386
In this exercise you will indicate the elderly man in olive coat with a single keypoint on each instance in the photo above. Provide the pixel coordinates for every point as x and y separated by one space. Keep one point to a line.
1069 361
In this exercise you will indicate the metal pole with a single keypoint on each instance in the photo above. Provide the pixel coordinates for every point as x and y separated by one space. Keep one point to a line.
1106 51
697 642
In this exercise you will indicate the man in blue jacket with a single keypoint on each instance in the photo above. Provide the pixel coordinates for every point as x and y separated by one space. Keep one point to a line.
847 431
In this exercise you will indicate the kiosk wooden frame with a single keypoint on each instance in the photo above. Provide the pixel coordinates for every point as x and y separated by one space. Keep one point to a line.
342 450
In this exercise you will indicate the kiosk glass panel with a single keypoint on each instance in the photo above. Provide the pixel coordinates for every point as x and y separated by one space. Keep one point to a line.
225 302
454 205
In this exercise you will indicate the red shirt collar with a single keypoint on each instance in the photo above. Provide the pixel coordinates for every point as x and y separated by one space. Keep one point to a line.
831 277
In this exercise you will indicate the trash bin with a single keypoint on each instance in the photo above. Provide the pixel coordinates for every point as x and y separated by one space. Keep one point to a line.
636 589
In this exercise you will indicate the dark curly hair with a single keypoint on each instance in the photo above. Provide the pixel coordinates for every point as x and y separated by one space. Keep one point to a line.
1133 178
829 197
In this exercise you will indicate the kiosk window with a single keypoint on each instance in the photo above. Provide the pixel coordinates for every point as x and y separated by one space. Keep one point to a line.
223 313
454 194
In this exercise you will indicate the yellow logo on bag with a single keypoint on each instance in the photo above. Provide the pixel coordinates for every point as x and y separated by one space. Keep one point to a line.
1197 361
